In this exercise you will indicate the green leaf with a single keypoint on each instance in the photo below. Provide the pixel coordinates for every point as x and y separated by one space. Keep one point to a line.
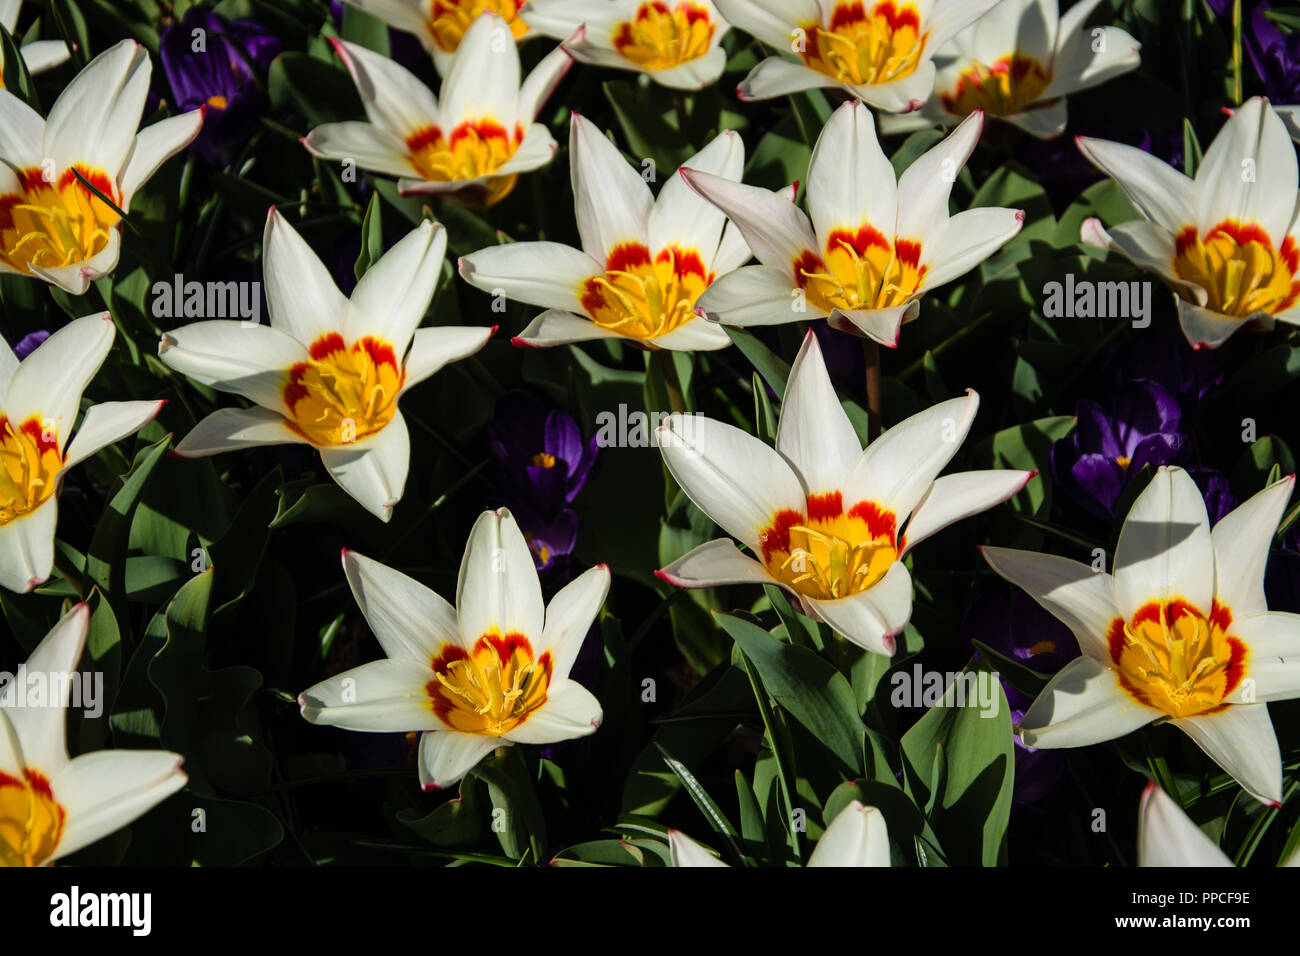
16 78
372 235
774 370
810 690
365 29
708 806
106 557
958 761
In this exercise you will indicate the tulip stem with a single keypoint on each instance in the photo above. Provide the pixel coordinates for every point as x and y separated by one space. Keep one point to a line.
871 351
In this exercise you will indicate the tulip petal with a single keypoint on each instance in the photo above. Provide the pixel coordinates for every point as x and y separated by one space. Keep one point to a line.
712 564
446 756
611 200
1168 837
873 618
733 477
1241 740
775 228
409 620
373 469
154 145
898 468
436 347
248 360
814 432
570 711
1079 597
569 617
384 696
1083 704
394 294
1160 192
545 274
954 497
301 296
753 295
108 789
856 837
107 423
41 731
683 851
230 429
1241 541
498 591
27 548
1164 551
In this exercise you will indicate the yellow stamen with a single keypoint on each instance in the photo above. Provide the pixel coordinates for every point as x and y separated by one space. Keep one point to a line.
474 149
343 394
862 49
449 19
491 690
55 223
1174 658
1238 268
641 297
1002 88
659 37
29 466
31 820
826 553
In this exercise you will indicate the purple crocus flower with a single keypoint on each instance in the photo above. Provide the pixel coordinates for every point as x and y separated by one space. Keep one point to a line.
27 344
219 76
1139 427
551 543
542 462
1026 633
1217 492
1190 374
1274 55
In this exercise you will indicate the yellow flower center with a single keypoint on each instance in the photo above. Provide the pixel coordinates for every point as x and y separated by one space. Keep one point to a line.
51 224
862 49
31 820
1002 89
343 394
544 460
474 149
659 37
1239 269
861 270
827 553
1172 657
491 690
218 102
643 297
29 466
449 19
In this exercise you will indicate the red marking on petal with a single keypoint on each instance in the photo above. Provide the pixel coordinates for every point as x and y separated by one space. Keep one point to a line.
39 784
36 432
1236 668
860 240
381 353
326 344
909 252
880 522
422 137
626 256
505 645
825 507
809 262
776 537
